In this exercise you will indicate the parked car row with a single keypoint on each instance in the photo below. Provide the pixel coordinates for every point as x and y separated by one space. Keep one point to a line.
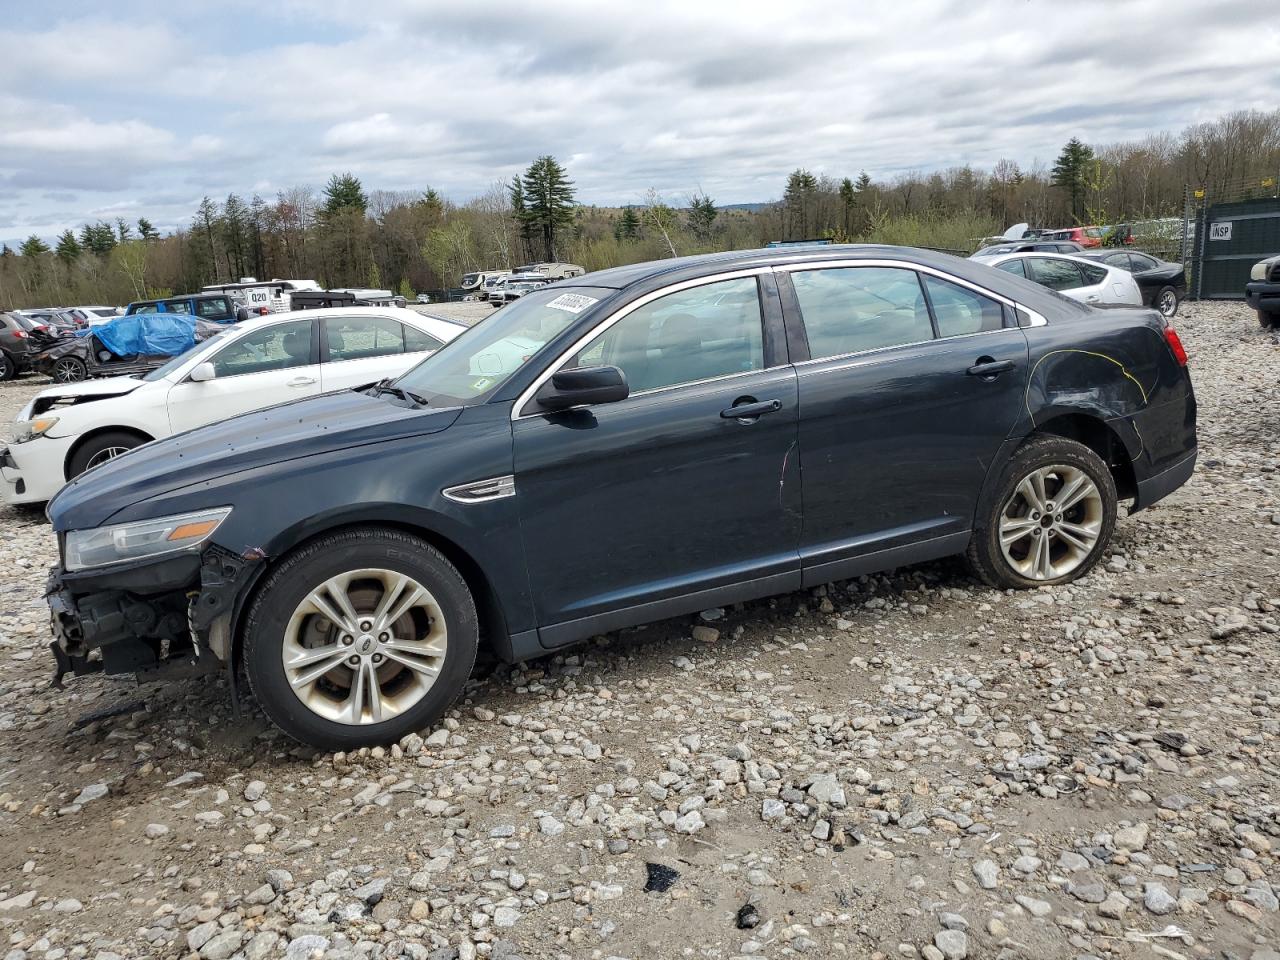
1099 277
66 430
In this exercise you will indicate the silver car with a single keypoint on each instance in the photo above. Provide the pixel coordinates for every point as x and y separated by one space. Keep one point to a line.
1097 284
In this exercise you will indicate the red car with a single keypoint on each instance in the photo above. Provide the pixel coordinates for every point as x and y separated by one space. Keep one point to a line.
1085 236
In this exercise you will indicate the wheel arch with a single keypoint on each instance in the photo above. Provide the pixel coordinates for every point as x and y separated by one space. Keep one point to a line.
1102 438
494 633
97 432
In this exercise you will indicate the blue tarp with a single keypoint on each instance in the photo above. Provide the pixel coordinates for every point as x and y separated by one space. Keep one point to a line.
153 334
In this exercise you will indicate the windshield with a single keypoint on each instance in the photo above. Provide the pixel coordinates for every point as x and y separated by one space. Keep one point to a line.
166 368
468 369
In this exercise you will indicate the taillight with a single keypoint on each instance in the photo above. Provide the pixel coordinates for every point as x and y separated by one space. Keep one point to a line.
20 334
1175 345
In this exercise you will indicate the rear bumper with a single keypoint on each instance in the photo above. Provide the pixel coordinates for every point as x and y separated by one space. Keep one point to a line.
1264 296
1160 485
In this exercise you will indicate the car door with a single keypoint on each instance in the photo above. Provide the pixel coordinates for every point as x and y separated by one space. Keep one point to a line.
913 382
268 365
666 501
362 349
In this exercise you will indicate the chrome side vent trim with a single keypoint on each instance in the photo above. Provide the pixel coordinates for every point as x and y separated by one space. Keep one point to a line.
478 491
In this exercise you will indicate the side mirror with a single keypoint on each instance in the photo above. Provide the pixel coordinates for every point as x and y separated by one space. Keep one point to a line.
571 388
202 372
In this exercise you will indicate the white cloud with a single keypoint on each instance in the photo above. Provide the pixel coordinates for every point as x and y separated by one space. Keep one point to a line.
726 96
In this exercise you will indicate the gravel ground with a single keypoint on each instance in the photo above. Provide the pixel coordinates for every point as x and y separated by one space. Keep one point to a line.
907 765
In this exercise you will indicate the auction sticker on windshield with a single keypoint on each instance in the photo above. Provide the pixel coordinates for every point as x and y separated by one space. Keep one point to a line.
572 302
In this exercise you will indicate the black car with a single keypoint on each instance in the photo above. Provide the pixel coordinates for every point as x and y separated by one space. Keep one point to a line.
637 443
1163 285
15 345
1262 292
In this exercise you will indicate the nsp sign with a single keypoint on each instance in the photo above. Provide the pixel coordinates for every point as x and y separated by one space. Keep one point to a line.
1220 230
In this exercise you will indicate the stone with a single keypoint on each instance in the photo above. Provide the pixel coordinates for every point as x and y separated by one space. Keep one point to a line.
254 790
1131 838
550 826
1158 900
154 831
772 809
988 874
1037 908
954 944
95 791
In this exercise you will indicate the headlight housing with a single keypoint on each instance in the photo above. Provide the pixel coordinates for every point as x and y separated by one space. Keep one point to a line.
24 430
141 539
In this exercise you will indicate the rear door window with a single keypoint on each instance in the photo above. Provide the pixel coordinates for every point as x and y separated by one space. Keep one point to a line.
959 311
1016 267
217 307
357 338
1054 273
853 309
1093 274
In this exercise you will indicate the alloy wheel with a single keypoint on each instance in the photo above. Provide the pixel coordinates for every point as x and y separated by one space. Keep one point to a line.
1168 303
364 646
1051 523
105 454
67 371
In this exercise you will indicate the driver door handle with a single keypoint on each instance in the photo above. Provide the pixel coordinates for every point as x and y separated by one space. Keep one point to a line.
301 382
750 411
989 368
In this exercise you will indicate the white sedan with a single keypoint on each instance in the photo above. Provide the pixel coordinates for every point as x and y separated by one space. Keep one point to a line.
1088 281
67 429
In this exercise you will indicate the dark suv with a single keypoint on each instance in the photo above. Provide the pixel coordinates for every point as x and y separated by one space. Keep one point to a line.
15 346
211 307
620 447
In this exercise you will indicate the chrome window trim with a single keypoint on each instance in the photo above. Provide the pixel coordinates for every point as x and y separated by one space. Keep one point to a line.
609 321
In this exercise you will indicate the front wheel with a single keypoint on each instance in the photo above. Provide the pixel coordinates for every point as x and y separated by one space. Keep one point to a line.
1167 301
101 448
8 369
1051 518
1268 320
360 638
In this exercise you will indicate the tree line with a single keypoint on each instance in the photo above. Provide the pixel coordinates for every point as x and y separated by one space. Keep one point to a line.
410 241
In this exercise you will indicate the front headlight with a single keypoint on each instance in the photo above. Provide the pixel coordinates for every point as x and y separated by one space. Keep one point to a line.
24 430
141 538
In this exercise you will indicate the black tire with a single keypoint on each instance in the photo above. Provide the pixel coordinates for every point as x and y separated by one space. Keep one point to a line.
101 448
1167 301
305 569
8 369
986 557
68 370
1268 320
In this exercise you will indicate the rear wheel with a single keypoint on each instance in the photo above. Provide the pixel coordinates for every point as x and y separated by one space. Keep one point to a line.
99 449
1268 320
68 370
1167 301
360 638
8 369
1051 518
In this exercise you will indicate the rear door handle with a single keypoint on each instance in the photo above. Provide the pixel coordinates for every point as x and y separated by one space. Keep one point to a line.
986 367
751 410
301 381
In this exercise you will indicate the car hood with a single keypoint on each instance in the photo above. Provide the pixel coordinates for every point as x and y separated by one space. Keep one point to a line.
303 428
86 391
65 345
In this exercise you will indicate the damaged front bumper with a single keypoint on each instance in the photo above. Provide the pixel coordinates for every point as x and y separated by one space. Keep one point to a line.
163 618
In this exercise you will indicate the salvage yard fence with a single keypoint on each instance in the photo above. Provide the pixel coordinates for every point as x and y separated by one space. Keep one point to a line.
1226 233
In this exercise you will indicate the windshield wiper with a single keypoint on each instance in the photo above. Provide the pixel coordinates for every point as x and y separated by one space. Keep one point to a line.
384 386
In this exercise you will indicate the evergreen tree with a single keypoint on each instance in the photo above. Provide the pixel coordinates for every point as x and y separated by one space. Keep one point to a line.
1070 174
123 230
628 225
344 192
235 234
864 182
146 230
848 197
98 238
702 216
68 249
33 246
798 202
547 195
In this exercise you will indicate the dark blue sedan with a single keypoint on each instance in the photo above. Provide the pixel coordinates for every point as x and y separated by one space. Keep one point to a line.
628 445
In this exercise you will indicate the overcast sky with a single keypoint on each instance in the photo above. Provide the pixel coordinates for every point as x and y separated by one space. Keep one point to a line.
139 108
